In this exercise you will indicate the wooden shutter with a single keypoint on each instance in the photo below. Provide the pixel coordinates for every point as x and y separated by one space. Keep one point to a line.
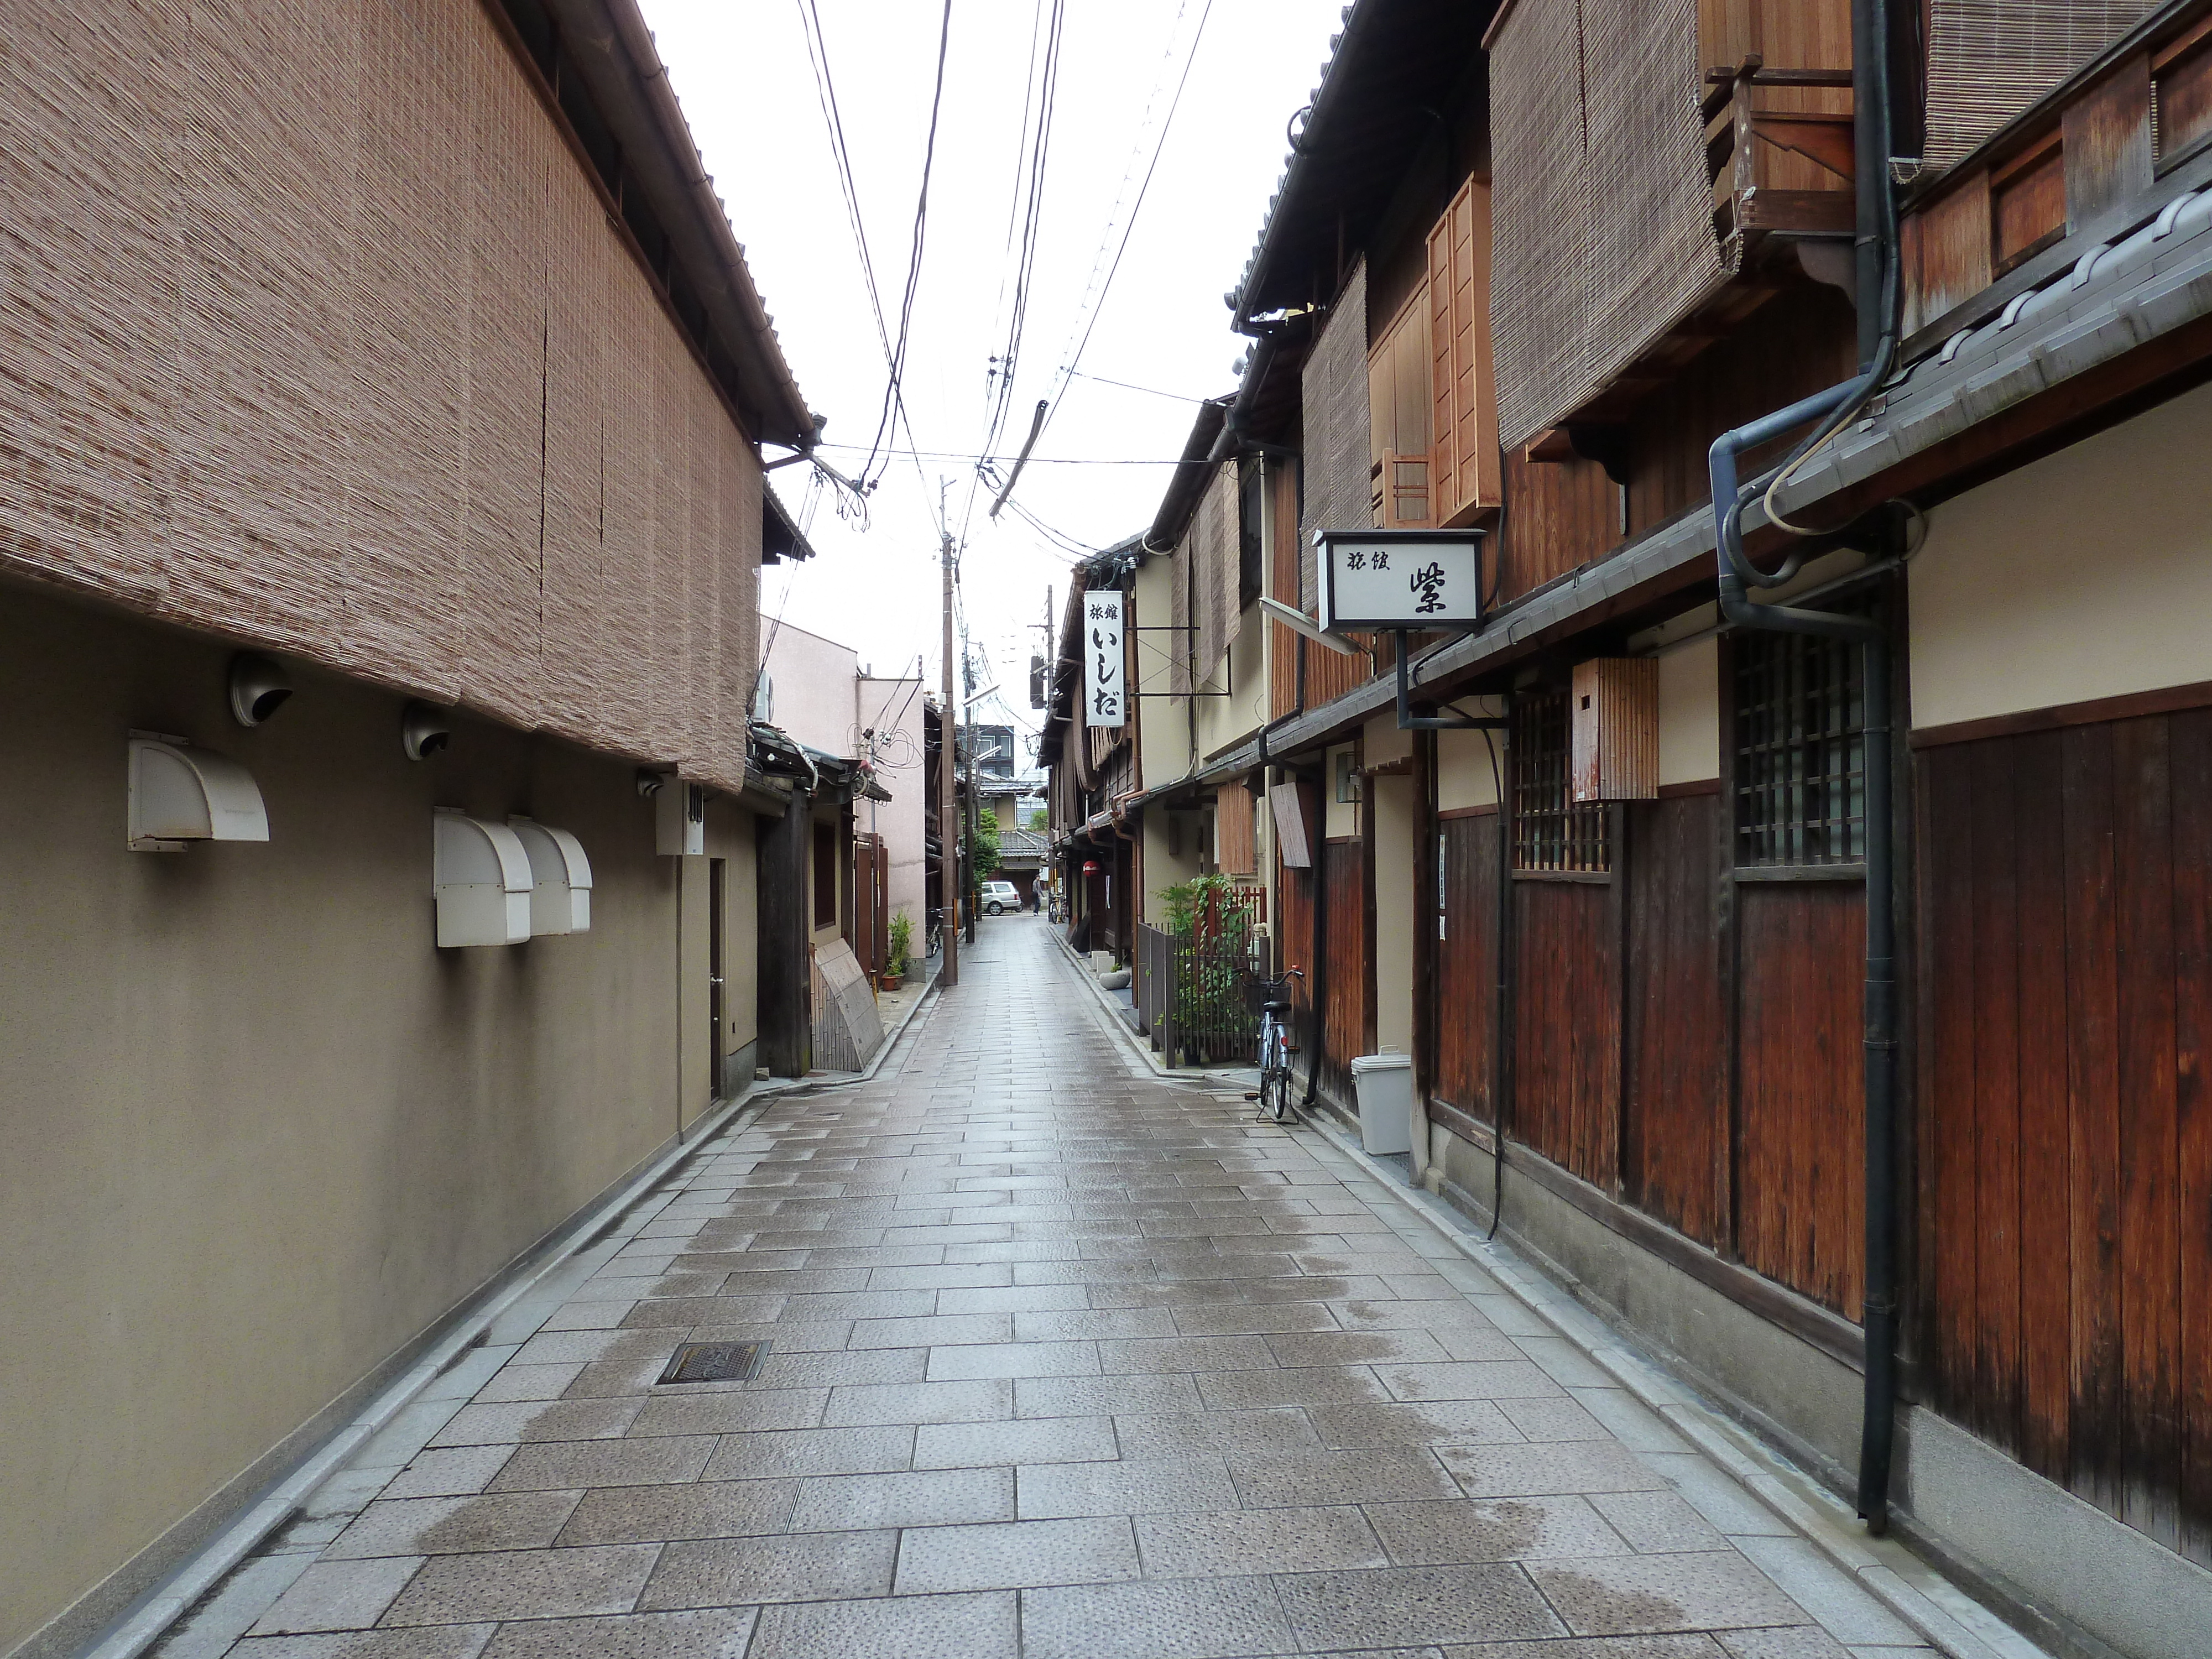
1334 390
1990 59
1397 400
1217 563
1463 466
1236 845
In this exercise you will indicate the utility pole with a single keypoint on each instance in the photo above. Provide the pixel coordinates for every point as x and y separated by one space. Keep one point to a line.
948 851
968 871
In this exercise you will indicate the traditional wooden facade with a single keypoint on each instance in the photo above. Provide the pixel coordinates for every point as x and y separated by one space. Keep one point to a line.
1654 1004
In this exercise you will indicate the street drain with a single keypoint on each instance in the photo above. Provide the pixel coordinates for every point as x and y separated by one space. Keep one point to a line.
714 1362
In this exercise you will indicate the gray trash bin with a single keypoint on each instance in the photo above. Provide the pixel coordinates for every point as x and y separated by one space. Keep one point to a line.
1384 1084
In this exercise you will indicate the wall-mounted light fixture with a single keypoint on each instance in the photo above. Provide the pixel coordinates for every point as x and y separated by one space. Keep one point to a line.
425 729
258 688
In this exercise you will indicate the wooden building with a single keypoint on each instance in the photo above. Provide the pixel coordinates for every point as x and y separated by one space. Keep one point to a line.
1527 262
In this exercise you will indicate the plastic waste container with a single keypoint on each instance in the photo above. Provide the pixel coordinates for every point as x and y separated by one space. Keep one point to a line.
1384 1085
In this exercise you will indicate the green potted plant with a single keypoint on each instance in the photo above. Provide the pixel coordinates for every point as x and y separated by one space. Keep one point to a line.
901 941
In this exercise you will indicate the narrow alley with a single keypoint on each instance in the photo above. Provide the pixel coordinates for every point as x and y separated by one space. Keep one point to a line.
1061 1360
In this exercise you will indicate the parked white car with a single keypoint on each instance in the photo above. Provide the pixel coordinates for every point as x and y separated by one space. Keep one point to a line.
1001 896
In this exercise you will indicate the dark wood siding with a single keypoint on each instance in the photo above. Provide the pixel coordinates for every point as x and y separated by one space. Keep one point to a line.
1566 1009
2066 1138
1560 515
1799 1168
1674 1128
1466 964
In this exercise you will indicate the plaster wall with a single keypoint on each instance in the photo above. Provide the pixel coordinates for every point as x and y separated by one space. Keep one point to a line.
1690 713
1397 835
258 1131
1163 729
815 688
1225 721
1339 818
1170 856
2086 574
893 709
1464 774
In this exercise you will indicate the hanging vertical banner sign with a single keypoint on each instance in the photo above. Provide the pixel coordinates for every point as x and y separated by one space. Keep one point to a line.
1105 694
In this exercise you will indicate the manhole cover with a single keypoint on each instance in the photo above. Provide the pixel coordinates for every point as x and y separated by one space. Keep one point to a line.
714 1362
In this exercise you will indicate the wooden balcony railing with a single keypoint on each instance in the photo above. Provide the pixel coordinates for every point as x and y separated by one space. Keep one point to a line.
1776 172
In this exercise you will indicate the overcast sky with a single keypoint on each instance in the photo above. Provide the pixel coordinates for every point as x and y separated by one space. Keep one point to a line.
741 69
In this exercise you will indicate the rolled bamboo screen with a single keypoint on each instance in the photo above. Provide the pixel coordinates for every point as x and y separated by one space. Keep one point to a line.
1333 389
1216 572
1603 238
313 333
1990 59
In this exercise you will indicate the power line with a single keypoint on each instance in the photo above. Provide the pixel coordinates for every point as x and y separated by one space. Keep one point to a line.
1035 460
1098 307
1150 391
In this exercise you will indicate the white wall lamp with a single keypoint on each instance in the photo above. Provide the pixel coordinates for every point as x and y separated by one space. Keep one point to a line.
181 795
560 877
483 883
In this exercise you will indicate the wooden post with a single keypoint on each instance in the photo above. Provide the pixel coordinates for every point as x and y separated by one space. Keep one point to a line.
948 838
787 1034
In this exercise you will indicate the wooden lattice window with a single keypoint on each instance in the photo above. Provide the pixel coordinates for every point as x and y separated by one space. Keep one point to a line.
1800 751
1551 833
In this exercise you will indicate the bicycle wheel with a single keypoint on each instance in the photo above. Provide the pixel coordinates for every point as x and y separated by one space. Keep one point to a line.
1275 1078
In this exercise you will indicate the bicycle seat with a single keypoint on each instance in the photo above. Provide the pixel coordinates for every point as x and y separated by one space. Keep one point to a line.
1274 1007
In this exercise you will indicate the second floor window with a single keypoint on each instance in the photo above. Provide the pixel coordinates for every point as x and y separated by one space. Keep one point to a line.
1800 751
1551 833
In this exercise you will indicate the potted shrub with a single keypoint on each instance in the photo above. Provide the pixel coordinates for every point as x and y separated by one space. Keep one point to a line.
901 941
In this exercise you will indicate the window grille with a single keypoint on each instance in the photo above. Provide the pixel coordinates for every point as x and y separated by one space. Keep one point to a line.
1800 750
1550 832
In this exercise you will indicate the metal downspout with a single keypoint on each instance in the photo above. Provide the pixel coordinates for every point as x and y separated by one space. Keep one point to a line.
1877 260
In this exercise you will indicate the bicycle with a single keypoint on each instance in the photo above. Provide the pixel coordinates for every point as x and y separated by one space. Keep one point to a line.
1273 1093
933 941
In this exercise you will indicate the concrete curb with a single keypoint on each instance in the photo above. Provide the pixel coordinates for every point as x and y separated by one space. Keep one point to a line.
1946 1617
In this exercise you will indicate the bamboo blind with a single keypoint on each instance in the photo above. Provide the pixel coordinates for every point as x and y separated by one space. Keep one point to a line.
1990 59
1604 238
1216 572
1333 388
1236 838
313 333
1179 614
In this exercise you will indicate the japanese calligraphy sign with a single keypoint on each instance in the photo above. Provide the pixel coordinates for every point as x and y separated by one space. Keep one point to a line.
1416 579
1105 693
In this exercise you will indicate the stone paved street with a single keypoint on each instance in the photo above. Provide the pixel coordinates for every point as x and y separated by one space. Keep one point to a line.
1066 1362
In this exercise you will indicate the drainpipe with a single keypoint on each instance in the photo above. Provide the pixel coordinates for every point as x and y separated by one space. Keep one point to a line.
1876 252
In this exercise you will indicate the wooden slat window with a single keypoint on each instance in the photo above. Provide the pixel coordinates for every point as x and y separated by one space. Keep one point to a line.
1398 408
1801 752
1237 847
1551 833
1464 473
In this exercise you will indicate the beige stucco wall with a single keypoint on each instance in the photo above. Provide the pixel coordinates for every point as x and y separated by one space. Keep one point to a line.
1465 777
1689 713
1227 720
1170 855
256 1132
1397 843
893 709
1163 728
815 681
2088 573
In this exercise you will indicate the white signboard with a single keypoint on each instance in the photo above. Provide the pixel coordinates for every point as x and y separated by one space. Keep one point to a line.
1416 579
1105 693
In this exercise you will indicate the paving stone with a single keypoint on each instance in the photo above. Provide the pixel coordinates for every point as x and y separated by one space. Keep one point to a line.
851 1368
554 1420
729 1411
1377 1475
337 1595
1096 1396
437 1642
1402 1605
923 1497
1223 1542
1534 1471
978 1400
442 1526
1239 1319
1558 1418
809 1451
722 1509
1493 1529
1806 1642
969 1627
1185 1618
459 1469
1032 1440
1654 1523
1016 1555
1430 1422
528 1382
1012 1359
1595 1647
932 1330
570 1464
549 1583
724 1572
1302 1385
1132 1486
1163 1434
719 1633
1618 1594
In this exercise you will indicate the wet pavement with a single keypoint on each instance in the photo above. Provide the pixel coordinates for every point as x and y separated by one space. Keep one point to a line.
1063 1361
